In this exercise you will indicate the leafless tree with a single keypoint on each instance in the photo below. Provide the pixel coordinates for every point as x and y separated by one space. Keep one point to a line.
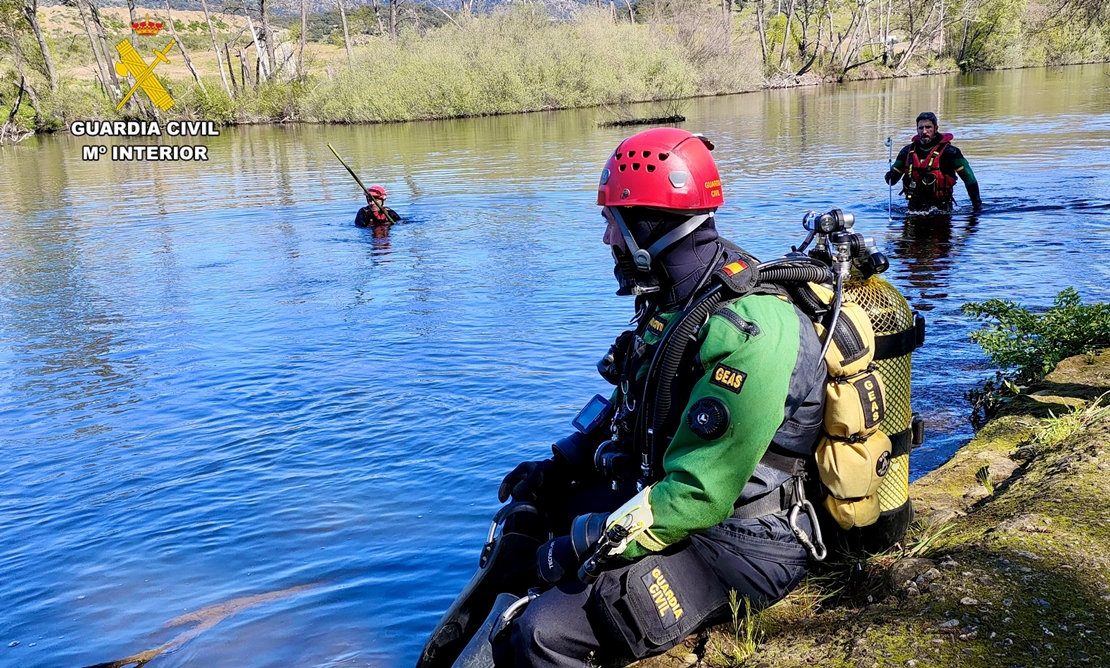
346 35
215 47
30 12
181 47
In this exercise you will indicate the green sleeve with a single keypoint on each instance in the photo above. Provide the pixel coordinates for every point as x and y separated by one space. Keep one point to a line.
899 163
963 170
703 478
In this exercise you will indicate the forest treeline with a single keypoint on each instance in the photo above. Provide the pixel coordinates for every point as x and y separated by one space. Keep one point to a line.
393 60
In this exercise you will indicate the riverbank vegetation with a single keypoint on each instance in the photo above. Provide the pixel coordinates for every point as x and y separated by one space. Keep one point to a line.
403 59
1026 345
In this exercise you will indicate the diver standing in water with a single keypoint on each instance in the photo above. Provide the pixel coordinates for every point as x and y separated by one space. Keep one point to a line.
928 168
686 483
376 213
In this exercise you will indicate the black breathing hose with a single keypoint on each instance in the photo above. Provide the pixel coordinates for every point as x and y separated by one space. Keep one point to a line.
654 417
803 273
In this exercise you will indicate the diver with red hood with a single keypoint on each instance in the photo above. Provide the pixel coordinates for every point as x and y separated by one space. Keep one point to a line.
928 167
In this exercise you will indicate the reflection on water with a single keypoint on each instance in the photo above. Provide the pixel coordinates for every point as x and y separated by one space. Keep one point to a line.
928 248
213 385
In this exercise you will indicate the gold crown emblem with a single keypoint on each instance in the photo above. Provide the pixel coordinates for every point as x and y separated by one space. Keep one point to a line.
147 27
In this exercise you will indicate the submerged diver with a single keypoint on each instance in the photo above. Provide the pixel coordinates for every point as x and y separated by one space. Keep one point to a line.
375 212
709 509
928 167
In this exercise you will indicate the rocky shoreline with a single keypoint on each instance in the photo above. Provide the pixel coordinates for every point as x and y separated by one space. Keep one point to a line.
1007 566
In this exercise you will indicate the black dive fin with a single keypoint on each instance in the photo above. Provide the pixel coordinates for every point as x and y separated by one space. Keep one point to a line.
508 565
478 653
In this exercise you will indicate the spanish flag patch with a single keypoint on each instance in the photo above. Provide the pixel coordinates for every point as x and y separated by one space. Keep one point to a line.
735 267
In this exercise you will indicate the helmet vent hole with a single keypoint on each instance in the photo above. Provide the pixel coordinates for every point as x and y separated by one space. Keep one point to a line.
651 168
647 154
635 166
664 156
632 154
618 156
623 167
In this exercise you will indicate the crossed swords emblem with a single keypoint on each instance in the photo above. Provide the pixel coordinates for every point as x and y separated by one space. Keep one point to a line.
132 63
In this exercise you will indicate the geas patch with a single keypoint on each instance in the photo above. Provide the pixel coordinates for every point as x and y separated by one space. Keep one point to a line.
728 378
666 599
708 418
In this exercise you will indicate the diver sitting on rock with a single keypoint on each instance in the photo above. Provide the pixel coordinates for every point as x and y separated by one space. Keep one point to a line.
928 167
680 487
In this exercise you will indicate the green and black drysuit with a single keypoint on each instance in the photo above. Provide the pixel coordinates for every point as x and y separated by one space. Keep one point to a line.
747 407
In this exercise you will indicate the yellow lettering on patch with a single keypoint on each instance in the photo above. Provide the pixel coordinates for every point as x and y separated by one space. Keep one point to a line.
728 378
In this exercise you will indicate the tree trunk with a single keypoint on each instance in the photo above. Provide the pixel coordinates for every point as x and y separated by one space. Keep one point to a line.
131 12
786 33
30 12
915 40
759 11
97 54
103 36
346 35
304 36
215 48
184 53
631 17
268 38
261 73
940 29
392 19
244 69
230 69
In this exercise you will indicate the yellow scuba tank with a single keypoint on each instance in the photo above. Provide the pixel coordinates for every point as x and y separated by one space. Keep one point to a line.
898 331
863 455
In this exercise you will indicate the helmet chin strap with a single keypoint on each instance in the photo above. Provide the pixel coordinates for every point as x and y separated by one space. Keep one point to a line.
643 257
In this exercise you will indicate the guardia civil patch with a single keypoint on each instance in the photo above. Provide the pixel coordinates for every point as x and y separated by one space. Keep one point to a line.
656 326
728 378
665 599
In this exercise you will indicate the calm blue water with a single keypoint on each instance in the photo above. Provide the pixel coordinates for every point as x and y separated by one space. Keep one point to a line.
236 427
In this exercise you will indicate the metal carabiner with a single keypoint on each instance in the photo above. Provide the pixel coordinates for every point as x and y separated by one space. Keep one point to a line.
498 519
815 548
511 613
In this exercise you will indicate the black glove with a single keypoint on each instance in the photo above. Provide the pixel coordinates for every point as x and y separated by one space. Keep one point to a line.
525 481
556 560
560 558
973 195
892 176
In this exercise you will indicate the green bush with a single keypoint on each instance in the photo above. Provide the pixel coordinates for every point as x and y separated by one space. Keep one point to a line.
1029 345
1026 345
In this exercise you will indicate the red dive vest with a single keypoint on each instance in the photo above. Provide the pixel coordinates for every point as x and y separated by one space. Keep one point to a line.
919 167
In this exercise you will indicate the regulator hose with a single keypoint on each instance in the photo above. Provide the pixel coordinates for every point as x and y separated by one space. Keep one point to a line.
665 366
795 274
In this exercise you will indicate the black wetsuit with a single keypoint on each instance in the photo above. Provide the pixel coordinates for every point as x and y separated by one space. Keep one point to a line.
366 217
